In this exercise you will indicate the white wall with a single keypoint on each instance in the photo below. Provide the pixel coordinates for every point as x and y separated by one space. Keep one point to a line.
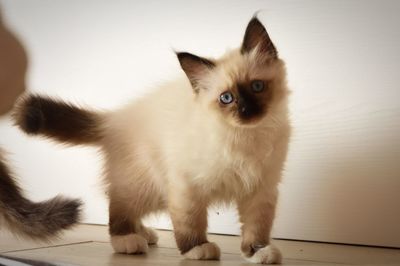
342 182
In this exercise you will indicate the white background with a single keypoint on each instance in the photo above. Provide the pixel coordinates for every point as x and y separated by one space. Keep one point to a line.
342 182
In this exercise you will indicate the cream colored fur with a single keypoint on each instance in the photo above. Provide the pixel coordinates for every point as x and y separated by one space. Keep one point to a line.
268 255
129 244
205 251
169 138
173 140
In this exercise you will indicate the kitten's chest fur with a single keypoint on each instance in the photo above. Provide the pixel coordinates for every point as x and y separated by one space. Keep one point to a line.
225 162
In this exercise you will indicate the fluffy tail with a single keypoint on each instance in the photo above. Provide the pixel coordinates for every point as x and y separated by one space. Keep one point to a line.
38 115
39 221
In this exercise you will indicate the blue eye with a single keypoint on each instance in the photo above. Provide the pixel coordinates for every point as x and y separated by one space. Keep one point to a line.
226 98
257 85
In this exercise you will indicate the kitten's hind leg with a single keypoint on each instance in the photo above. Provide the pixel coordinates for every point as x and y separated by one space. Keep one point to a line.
149 234
128 234
136 241
189 217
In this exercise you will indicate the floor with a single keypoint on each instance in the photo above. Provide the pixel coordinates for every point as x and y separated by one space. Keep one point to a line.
89 245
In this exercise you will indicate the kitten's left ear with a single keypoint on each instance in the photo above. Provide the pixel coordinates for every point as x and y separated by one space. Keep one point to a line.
257 36
194 67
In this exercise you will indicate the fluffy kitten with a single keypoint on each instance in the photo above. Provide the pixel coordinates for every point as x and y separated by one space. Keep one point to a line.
220 134
35 220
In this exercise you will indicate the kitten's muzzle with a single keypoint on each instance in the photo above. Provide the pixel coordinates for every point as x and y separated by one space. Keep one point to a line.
247 111
243 108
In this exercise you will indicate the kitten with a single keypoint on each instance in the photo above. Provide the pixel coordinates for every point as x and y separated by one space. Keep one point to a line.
220 134
38 221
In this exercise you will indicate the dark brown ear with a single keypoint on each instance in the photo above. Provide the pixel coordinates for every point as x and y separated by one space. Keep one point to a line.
194 67
257 35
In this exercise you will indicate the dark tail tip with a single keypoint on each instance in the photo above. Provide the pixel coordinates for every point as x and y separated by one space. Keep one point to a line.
45 220
62 213
28 115
57 120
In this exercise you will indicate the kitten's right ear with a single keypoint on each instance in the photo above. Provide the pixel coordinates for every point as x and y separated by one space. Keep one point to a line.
194 67
257 36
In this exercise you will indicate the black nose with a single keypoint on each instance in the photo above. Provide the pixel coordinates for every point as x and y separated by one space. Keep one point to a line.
243 108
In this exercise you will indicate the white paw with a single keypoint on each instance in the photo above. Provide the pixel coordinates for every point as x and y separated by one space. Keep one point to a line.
268 255
130 244
206 251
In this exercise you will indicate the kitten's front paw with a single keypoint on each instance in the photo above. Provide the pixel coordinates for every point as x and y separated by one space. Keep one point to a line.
267 255
129 244
206 251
